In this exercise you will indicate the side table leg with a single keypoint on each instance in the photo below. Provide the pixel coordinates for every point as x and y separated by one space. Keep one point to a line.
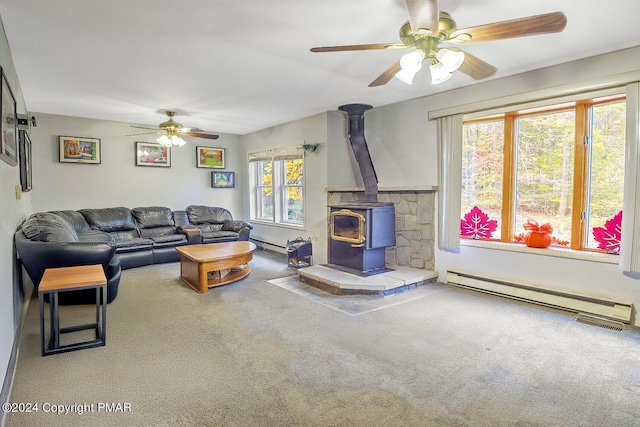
55 319
42 337
104 314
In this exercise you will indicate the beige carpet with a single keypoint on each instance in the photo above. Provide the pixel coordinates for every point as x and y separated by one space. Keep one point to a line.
353 305
255 354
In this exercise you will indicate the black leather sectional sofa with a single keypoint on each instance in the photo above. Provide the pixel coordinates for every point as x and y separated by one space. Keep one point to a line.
118 238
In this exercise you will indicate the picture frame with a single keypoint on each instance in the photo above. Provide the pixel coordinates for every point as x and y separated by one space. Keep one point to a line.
210 157
25 161
77 149
220 179
152 154
8 123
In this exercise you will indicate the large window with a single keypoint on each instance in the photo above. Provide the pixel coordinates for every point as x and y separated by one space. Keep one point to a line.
277 188
558 164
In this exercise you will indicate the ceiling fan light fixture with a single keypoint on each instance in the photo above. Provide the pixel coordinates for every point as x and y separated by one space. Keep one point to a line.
412 61
405 76
451 60
169 141
438 73
164 140
176 140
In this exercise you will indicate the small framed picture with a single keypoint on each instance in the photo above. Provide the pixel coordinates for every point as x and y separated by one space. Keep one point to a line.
208 157
149 154
8 124
25 161
75 149
223 179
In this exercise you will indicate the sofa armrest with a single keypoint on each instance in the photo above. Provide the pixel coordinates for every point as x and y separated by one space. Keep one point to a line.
236 225
36 256
193 233
243 228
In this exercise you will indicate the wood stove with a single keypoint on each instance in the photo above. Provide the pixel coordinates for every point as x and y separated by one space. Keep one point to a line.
359 234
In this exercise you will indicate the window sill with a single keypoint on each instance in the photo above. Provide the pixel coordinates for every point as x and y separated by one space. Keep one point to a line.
552 251
277 224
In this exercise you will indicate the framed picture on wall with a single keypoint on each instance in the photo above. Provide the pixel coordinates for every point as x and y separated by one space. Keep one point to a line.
25 161
8 123
209 157
150 154
223 179
76 149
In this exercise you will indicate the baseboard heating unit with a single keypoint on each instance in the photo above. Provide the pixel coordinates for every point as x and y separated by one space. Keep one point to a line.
617 310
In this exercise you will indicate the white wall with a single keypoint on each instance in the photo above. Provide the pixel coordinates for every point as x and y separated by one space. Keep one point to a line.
12 212
311 130
117 181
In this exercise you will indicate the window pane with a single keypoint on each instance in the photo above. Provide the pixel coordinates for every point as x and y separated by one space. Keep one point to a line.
293 204
265 203
544 179
482 161
293 197
608 123
294 172
265 174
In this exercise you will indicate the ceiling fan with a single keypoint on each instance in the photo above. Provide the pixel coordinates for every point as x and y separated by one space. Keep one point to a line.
171 131
428 28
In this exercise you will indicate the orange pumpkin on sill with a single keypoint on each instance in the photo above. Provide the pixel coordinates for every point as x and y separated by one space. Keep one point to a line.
537 236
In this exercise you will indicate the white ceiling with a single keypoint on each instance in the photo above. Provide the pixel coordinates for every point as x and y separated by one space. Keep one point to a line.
239 66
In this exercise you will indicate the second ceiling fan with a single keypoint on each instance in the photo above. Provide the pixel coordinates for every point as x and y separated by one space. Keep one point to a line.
171 131
428 28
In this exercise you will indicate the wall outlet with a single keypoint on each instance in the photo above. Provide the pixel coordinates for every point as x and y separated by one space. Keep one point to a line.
18 192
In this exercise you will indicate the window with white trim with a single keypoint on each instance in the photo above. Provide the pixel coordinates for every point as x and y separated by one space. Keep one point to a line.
277 186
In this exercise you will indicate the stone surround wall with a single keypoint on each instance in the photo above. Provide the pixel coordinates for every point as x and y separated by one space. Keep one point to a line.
415 230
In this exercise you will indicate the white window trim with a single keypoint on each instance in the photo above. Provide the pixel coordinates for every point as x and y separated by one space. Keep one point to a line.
277 186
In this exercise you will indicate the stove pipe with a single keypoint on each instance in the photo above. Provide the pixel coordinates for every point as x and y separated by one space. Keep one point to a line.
360 149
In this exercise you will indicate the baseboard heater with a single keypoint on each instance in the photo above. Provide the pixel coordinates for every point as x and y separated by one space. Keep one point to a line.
620 311
263 244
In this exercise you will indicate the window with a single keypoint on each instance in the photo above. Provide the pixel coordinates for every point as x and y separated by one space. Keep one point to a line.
277 187
560 164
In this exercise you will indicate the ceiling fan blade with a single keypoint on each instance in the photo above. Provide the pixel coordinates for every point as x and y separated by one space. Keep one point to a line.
475 67
423 14
143 127
202 135
387 75
144 133
538 24
359 47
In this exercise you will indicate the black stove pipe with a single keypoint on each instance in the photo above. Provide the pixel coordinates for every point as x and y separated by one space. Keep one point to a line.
360 149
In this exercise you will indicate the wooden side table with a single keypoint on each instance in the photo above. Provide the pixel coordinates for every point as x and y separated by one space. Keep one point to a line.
75 278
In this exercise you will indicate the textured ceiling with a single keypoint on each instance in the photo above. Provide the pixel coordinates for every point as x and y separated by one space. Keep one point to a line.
239 66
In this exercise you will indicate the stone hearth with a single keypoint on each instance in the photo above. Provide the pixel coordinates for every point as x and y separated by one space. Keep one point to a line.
340 282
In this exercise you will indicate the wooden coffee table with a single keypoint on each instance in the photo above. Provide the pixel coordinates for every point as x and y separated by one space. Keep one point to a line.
214 264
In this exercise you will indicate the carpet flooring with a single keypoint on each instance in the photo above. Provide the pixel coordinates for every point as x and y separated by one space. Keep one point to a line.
353 305
256 354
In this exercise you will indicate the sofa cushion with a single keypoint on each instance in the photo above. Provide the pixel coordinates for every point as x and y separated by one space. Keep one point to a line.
110 220
153 216
133 245
169 238
199 214
75 220
48 227
219 235
206 228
